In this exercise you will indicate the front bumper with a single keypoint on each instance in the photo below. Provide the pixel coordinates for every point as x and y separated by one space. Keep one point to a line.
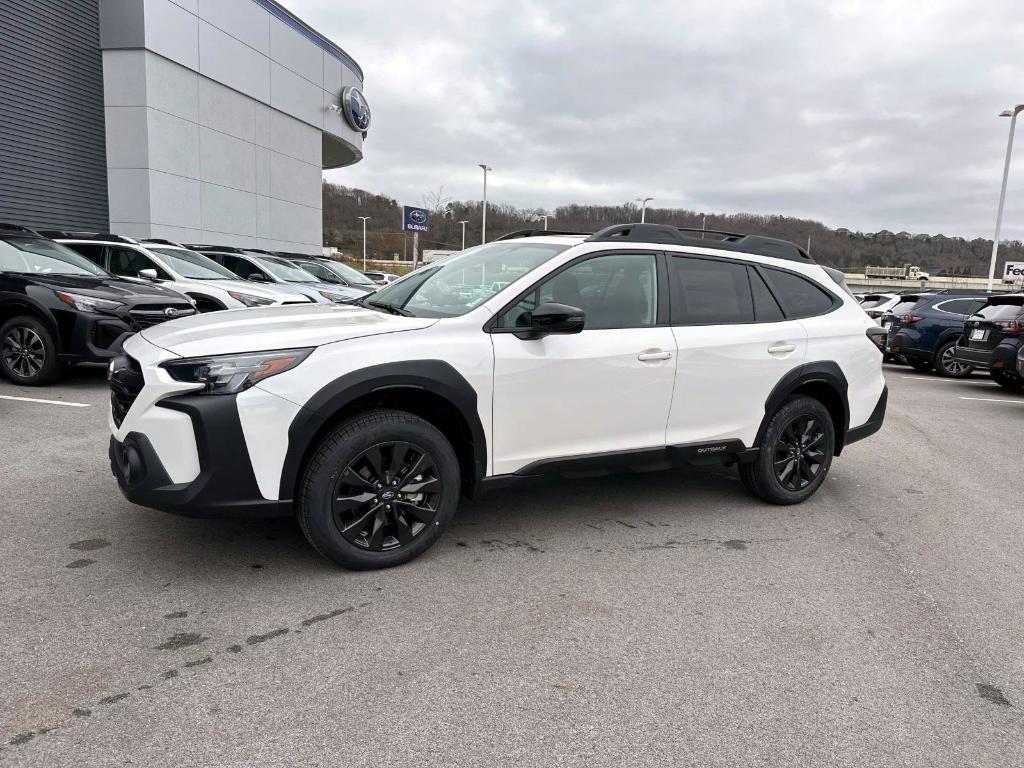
95 338
225 485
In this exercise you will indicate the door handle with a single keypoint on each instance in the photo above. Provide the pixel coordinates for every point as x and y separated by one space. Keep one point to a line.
781 348
656 354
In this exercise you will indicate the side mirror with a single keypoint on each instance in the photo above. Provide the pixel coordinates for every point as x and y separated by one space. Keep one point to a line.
258 277
551 318
148 274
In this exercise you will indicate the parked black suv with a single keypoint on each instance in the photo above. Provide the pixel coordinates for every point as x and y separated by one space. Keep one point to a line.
992 340
57 307
924 329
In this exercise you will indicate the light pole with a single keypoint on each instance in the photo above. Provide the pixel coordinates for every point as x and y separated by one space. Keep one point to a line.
1012 114
545 217
643 207
483 226
364 218
463 223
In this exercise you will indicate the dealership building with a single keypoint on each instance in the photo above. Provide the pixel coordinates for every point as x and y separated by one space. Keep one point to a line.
200 121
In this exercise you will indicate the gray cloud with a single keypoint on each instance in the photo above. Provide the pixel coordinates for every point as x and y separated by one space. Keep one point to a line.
859 113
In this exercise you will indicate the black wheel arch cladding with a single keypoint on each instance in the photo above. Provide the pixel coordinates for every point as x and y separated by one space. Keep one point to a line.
824 374
436 377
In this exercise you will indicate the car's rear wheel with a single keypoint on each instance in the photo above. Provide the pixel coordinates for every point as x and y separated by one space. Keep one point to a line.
28 355
795 454
948 366
1007 380
379 490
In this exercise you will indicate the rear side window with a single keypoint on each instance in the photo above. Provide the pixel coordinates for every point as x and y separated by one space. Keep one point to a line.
799 296
709 292
766 308
959 306
1001 311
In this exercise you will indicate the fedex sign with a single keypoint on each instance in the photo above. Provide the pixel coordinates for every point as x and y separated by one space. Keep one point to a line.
1013 272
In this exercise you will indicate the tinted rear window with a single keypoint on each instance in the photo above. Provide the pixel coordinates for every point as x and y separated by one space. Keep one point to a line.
905 306
870 302
710 292
1001 311
799 296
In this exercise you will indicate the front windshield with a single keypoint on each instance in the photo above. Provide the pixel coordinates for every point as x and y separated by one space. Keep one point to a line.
464 282
284 270
346 273
43 257
192 265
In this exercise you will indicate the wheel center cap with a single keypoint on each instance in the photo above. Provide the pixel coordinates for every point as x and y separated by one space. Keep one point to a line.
387 495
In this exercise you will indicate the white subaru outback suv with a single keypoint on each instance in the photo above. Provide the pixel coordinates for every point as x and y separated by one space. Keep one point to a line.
640 346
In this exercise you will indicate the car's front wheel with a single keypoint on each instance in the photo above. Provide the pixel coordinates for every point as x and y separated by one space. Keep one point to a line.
947 365
795 454
379 490
28 355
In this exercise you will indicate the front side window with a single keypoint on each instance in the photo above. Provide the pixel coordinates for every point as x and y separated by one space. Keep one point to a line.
464 282
43 257
241 267
346 273
799 296
192 265
128 263
710 292
319 271
614 291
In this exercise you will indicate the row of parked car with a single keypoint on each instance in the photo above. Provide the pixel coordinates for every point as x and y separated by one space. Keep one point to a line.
74 297
954 332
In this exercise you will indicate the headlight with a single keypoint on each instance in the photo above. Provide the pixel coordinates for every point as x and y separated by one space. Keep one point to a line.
228 374
88 303
336 298
249 300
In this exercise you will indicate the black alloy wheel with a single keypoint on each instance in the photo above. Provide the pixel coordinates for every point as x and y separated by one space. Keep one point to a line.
28 355
24 352
387 496
798 455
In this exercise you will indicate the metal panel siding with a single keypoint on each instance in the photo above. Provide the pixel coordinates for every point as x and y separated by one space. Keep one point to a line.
53 170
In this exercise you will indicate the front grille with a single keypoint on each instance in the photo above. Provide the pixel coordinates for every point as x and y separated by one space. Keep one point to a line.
126 381
146 315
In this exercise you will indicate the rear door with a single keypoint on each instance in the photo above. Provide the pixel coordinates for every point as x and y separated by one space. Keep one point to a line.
734 345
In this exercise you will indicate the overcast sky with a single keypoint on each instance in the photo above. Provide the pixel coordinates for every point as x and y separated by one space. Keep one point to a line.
863 114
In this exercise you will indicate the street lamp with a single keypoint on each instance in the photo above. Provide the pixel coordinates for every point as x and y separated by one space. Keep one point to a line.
643 207
1012 114
543 216
463 223
483 226
364 218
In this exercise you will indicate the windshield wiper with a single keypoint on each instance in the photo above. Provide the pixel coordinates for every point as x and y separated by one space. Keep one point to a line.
394 310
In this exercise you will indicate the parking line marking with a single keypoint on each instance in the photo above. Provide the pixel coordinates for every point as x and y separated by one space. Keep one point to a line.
46 402
993 400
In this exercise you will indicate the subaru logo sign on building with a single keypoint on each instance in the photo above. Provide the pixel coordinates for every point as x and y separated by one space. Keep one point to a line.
355 108
415 219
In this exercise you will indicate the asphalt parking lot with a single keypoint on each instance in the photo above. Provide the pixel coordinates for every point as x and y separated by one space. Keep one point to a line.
657 619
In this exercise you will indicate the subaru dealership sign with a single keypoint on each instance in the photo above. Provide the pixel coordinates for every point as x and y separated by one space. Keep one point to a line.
415 219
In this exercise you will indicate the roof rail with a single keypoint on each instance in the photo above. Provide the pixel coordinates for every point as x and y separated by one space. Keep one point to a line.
5 227
217 248
537 233
57 234
727 241
162 241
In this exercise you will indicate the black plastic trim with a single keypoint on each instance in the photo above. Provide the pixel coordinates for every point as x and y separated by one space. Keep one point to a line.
826 372
435 376
727 241
874 422
226 485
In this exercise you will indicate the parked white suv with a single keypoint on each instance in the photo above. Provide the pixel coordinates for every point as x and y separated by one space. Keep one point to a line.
206 282
639 346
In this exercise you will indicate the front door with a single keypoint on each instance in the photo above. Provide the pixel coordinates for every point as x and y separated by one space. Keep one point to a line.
605 390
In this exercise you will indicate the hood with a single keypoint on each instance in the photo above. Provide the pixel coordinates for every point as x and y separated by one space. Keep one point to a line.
264 328
263 290
117 288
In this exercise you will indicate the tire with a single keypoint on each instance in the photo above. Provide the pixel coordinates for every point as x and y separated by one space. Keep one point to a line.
946 366
345 484
1008 381
921 366
777 484
28 354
